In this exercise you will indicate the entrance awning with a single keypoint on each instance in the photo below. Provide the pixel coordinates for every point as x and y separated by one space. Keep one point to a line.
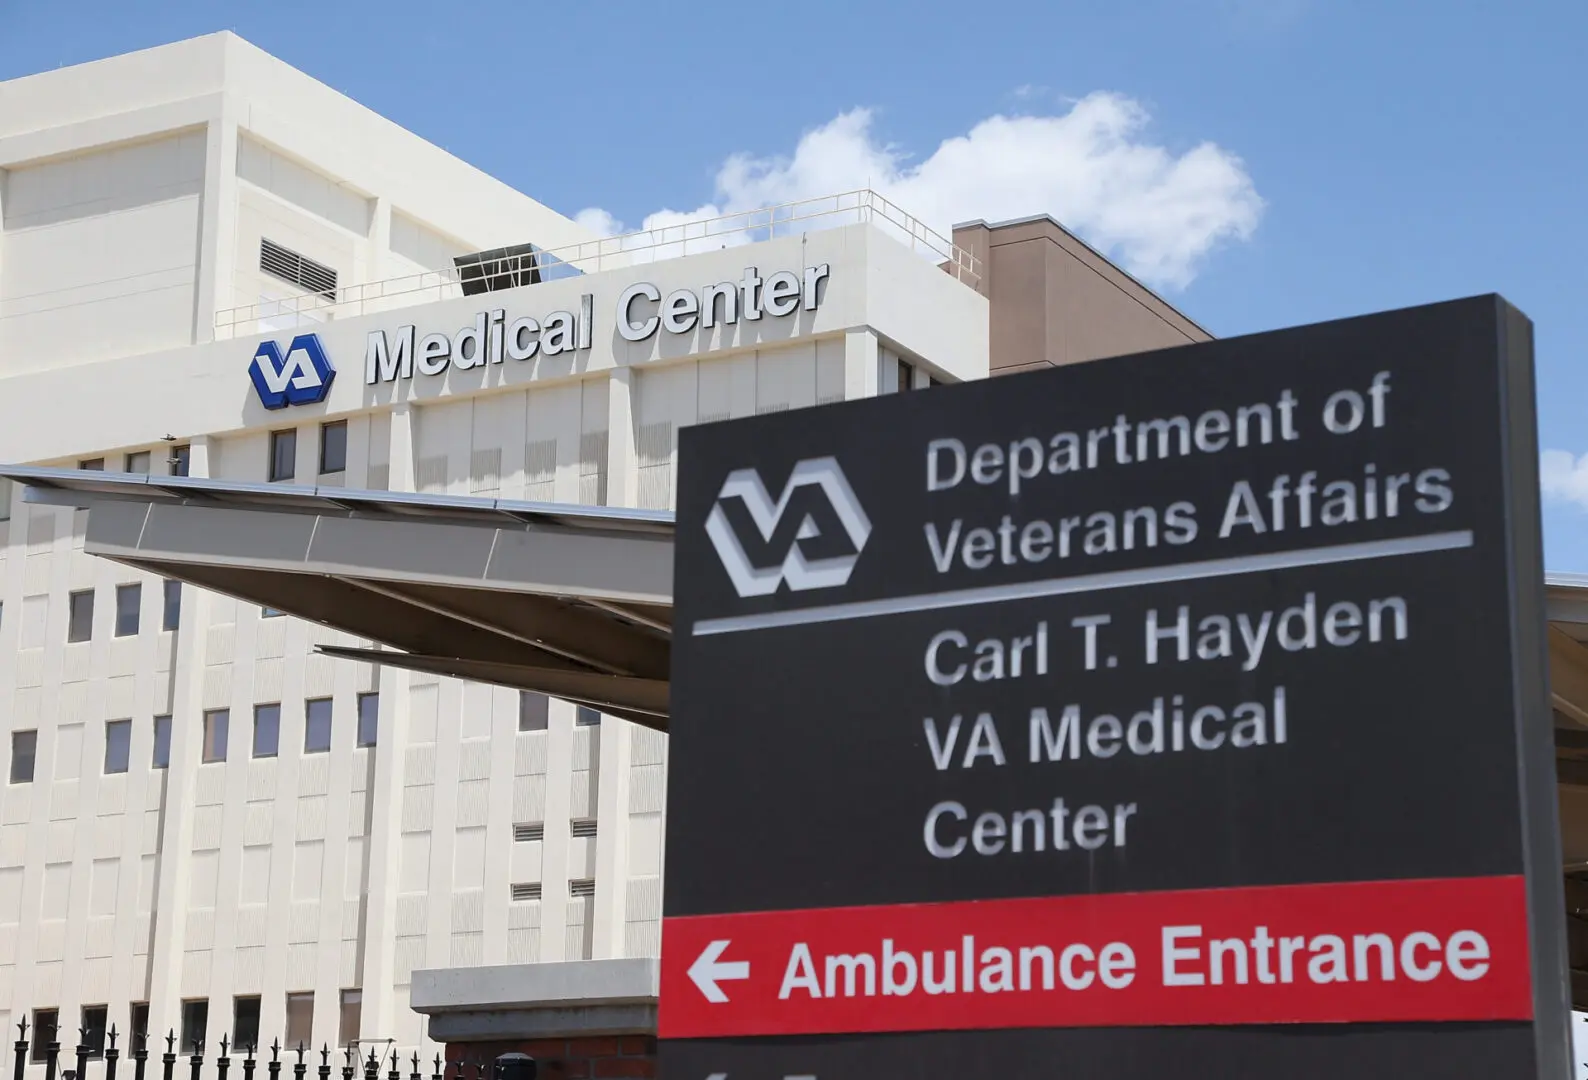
571 601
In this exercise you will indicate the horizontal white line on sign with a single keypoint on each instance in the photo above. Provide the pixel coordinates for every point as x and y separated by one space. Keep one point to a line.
1118 579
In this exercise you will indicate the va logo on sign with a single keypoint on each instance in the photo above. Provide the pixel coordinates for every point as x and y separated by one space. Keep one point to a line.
302 377
810 538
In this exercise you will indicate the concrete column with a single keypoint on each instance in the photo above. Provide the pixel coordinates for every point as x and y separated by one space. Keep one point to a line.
554 849
378 978
612 840
860 364
400 475
623 480
375 252
217 257
176 822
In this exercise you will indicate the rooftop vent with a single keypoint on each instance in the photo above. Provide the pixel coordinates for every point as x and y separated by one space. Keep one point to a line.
524 833
584 826
288 265
526 890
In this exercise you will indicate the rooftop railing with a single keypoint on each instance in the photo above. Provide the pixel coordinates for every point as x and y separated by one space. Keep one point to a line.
863 206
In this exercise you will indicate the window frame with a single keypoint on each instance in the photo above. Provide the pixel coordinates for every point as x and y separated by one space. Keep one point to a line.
162 743
259 713
186 1045
95 1053
131 461
122 725
273 464
371 697
533 716
300 997
72 599
308 724
325 429
39 1055
170 605
583 714
180 461
134 589
237 1019
206 747
32 756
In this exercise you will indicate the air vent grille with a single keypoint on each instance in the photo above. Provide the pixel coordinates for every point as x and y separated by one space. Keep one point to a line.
526 890
523 834
582 887
584 826
288 265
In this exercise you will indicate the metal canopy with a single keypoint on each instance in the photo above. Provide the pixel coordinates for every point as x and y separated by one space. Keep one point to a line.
571 601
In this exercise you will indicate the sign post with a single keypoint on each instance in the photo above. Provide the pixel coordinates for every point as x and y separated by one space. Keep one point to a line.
1177 714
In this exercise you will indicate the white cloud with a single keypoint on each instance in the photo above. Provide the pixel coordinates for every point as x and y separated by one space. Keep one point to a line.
1563 478
1093 168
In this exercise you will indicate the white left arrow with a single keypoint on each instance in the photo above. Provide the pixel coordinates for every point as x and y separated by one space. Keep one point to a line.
708 970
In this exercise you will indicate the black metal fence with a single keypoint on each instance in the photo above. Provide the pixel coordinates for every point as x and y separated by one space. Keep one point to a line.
248 1061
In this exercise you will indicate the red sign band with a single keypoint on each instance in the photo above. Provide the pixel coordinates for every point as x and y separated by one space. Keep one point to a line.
1408 951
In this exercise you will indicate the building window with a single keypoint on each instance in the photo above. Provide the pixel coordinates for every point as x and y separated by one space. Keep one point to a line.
162 742
906 376
532 711
92 464
267 730
333 447
171 618
352 1015
245 1022
216 722
24 750
586 717
317 726
368 718
80 615
181 458
284 454
95 1018
195 1019
137 1024
5 499
138 462
129 598
118 745
46 1025
269 613
300 1019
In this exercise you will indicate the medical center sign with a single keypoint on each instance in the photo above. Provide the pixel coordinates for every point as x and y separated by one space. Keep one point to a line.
1178 714
641 313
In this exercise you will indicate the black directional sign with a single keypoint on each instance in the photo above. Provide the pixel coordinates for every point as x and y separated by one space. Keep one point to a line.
1177 714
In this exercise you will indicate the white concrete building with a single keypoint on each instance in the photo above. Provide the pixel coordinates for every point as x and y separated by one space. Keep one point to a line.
206 823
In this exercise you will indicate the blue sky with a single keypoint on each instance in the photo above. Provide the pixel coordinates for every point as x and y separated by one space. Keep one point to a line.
1264 162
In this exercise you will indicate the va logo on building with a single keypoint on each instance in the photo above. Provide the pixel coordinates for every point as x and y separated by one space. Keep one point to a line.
809 538
301 377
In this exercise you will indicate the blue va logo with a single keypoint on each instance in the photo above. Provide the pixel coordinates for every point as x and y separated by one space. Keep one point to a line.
302 377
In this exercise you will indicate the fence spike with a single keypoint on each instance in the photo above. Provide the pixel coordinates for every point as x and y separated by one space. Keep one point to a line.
170 1041
23 1026
112 1036
225 1046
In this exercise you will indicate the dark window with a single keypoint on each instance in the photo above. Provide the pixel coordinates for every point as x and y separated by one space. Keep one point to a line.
46 1027
352 1015
93 1034
368 718
92 464
245 1022
195 1018
288 265
216 723
5 499
267 730
333 447
118 745
284 454
129 598
300 1019
138 462
532 710
906 376
269 613
586 717
171 618
24 749
80 615
162 744
317 726
138 1023
181 458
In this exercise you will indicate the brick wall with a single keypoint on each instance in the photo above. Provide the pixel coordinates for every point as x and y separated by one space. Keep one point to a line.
610 1057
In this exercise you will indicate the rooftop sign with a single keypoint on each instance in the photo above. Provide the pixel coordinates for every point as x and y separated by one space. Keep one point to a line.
1128 715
